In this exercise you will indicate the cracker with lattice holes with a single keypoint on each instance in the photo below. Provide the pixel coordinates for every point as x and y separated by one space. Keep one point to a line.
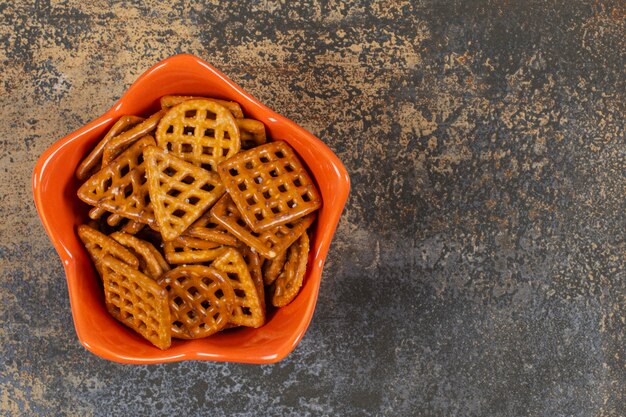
132 227
99 245
269 185
201 300
201 132
206 229
191 250
138 302
171 101
288 284
254 261
93 161
98 213
273 267
179 191
247 309
121 187
128 226
151 261
123 141
269 243
251 133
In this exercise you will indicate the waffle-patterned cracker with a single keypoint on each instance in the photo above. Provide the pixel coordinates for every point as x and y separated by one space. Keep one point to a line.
171 101
151 261
251 133
179 191
99 245
132 227
93 161
121 187
191 250
289 282
201 300
201 132
248 310
253 260
269 243
206 229
138 302
273 267
269 185
121 142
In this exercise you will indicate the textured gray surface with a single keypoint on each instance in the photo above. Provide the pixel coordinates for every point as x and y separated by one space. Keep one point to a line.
479 267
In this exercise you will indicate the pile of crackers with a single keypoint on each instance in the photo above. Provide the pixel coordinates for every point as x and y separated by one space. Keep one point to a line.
196 219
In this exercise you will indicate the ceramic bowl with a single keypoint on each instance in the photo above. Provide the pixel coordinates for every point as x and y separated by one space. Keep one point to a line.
54 188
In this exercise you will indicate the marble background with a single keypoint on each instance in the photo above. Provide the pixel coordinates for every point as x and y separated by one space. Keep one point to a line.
479 266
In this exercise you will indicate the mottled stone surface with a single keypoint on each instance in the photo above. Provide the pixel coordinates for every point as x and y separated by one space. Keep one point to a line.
479 267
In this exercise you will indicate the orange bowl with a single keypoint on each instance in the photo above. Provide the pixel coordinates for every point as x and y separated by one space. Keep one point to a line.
54 189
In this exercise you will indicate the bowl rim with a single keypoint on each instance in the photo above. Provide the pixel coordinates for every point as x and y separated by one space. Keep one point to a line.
70 263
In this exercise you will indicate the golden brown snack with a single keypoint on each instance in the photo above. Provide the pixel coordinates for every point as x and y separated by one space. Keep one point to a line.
121 142
273 267
196 243
151 262
269 243
247 310
171 101
205 228
114 219
93 162
237 221
132 227
179 191
96 213
253 260
269 185
138 302
251 133
289 282
99 213
99 245
191 250
121 187
102 218
201 132
201 300
157 255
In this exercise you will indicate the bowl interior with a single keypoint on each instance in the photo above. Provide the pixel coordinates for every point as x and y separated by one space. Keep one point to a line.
54 187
